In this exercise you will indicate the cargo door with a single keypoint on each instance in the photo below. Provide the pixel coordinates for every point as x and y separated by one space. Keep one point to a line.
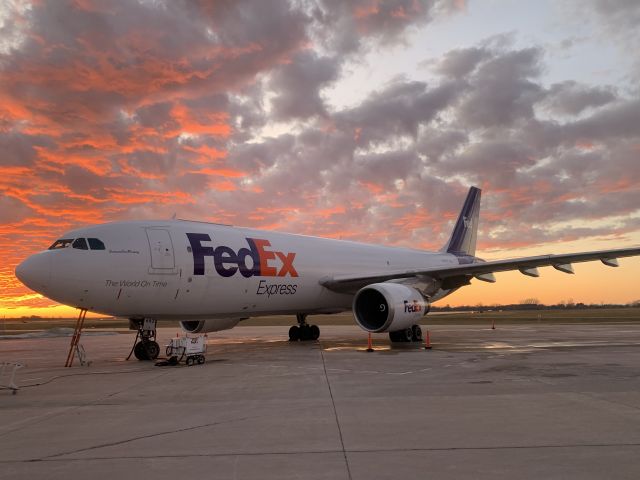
162 256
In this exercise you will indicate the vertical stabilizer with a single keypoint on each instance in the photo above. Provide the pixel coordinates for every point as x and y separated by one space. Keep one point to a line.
463 237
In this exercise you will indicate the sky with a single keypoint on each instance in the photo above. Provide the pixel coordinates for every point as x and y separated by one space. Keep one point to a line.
363 120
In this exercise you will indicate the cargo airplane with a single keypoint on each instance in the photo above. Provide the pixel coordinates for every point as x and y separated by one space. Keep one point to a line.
209 276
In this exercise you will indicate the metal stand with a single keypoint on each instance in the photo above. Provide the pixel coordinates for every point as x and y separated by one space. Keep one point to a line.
13 367
75 339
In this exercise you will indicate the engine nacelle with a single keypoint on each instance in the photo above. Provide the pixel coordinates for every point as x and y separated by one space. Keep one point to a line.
210 325
384 307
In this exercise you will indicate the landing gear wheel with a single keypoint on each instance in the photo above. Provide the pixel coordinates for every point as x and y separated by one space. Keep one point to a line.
305 332
152 348
294 333
315 332
417 333
147 348
140 352
407 334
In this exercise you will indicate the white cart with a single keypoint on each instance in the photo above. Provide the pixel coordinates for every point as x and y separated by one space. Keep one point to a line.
189 349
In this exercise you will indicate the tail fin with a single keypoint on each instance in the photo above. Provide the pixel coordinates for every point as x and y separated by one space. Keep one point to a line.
463 237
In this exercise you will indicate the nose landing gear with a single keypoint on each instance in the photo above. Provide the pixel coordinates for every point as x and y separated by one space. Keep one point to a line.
147 348
303 331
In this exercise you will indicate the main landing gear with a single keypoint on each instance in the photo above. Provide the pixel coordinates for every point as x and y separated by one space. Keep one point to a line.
303 331
410 334
147 348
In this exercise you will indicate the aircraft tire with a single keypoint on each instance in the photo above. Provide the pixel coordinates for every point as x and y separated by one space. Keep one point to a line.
305 332
294 333
152 348
417 333
401 336
140 351
314 330
407 335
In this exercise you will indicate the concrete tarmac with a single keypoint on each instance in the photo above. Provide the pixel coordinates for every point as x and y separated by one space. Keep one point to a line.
521 401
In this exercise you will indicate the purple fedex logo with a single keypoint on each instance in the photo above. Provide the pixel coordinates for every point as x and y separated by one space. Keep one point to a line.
256 260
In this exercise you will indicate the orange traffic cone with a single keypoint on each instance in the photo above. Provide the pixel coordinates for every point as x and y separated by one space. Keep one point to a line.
427 341
369 346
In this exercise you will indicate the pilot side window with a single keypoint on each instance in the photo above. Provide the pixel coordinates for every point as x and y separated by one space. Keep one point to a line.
80 243
96 244
62 243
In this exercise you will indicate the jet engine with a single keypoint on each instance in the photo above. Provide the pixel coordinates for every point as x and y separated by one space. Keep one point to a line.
383 307
209 325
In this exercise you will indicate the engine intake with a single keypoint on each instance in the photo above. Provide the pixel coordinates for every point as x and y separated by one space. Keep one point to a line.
383 307
209 325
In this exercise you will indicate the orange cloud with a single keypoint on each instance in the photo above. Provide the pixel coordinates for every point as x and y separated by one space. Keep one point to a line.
205 154
215 123
367 10
220 172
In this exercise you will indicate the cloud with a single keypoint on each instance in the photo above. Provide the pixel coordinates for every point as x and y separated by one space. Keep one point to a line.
614 23
503 89
617 17
298 86
460 62
216 111
346 27
571 98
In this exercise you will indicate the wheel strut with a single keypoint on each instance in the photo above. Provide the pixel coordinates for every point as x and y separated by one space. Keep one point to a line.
147 348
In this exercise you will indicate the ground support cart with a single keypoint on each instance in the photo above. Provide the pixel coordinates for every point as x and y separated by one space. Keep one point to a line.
190 349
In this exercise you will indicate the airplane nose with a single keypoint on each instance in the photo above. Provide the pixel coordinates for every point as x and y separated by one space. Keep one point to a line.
35 271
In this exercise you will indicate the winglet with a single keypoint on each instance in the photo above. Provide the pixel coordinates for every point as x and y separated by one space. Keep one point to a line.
463 237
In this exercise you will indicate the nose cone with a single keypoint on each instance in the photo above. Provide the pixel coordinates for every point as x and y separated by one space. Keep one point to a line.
35 271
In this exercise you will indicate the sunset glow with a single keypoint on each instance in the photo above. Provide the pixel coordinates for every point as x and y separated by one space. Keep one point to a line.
362 120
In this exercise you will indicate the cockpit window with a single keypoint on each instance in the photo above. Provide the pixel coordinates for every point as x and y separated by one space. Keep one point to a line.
95 244
80 243
62 243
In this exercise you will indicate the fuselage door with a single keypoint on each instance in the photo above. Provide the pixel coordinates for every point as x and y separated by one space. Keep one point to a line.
162 256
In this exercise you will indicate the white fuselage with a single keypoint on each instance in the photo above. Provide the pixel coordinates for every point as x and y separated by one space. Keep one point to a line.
190 270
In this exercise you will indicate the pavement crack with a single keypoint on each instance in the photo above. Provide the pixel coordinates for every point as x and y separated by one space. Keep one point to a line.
57 458
143 437
335 412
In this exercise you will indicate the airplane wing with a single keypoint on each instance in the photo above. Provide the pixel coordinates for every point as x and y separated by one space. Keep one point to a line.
481 270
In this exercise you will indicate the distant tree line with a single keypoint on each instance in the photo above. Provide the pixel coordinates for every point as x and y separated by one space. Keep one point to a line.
532 304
